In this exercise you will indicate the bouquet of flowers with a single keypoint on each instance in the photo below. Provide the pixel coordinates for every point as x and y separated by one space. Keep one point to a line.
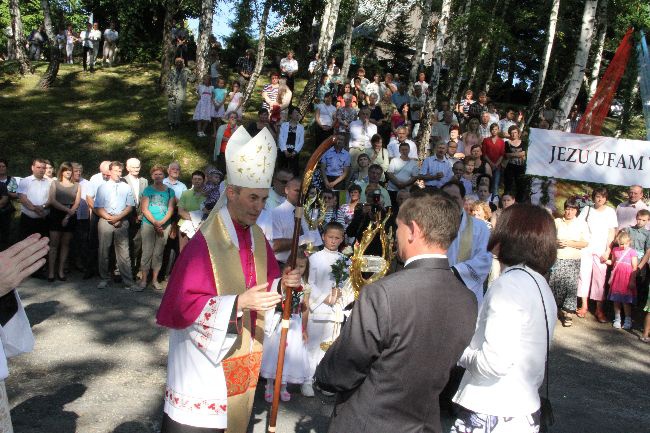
341 270
583 201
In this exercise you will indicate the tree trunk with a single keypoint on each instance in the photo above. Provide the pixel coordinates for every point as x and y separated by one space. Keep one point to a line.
462 55
53 68
203 44
347 43
452 63
430 106
261 47
427 11
494 52
168 47
579 64
328 27
598 57
550 37
19 37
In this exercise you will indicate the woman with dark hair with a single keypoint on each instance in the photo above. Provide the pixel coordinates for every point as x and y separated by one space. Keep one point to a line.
64 199
494 150
347 210
515 169
481 166
505 360
572 237
346 90
602 223
401 117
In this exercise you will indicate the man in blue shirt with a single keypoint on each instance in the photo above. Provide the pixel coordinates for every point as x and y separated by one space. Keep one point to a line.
113 203
436 170
335 164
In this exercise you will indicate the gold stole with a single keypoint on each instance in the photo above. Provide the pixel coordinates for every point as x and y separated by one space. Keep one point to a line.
241 366
466 241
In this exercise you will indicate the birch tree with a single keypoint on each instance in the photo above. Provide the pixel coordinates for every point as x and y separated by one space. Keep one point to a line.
462 55
347 43
53 68
203 44
19 37
598 57
261 48
168 45
327 30
546 58
579 64
420 40
430 106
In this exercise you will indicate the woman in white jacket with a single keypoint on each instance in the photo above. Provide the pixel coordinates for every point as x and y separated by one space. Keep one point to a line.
291 141
505 361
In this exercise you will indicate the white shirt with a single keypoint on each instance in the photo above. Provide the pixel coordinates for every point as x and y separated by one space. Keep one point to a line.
114 197
599 223
110 35
326 114
85 39
402 170
83 211
505 359
361 134
626 213
274 200
15 337
378 89
178 187
287 65
36 191
95 36
96 180
393 148
433 165
283 224
424 256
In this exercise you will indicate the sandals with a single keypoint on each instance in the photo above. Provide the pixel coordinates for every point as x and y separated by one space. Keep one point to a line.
645 339
567 321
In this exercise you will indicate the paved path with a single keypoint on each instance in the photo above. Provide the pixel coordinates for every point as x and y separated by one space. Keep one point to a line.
99 366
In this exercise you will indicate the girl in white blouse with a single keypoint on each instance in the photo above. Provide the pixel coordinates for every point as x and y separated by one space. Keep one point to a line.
506 358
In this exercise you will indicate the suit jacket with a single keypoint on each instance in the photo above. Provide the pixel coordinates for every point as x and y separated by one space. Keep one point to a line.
394 354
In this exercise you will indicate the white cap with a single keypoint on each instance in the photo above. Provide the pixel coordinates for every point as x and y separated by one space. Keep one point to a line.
250 162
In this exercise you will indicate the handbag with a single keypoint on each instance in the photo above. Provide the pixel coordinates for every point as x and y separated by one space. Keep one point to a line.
546 418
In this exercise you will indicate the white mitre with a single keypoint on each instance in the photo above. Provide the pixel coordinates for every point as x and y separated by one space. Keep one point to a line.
250 161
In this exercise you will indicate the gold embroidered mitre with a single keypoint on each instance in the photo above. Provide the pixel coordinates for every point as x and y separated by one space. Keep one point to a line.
250 161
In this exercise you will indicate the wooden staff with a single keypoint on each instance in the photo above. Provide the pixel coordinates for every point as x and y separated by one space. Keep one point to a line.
312 165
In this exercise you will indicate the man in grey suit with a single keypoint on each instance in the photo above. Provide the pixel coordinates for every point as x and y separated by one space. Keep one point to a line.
405 333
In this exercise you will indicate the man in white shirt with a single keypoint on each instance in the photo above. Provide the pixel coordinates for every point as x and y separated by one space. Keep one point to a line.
277 196
376 87
110 44
33 192
137 184
626 211
361 131
288 67
95 38
284 223
435 170
87 45
113 204
395 142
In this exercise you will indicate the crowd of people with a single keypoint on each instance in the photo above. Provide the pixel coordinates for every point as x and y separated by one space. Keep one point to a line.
460 209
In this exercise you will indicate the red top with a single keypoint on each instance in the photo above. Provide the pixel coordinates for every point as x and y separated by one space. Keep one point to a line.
493 150
191 283
226 134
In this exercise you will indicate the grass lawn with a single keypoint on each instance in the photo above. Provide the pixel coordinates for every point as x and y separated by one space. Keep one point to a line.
117 113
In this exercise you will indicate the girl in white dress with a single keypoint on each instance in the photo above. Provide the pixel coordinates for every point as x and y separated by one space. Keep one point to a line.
235 99
296 362
204 111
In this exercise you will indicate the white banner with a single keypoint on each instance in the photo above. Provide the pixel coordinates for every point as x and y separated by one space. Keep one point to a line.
588 158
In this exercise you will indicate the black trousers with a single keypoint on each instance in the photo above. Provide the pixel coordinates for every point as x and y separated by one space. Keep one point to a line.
5 229
29 226
171 426
514 181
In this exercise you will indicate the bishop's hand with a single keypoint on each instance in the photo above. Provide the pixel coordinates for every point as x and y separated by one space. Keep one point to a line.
257 298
